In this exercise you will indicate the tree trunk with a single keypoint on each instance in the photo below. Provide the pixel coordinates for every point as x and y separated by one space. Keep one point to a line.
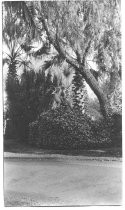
92 82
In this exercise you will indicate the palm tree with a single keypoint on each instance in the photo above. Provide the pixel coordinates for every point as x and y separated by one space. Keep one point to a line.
14 57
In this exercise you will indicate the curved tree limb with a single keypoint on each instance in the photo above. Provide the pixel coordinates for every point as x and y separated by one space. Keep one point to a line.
87 75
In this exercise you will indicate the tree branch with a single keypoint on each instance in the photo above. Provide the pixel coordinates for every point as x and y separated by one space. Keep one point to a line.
57 45
85 72
86 51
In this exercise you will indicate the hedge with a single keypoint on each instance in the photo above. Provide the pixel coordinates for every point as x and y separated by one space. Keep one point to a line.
64 128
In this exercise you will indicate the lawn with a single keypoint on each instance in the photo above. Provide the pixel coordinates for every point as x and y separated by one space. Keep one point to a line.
17 147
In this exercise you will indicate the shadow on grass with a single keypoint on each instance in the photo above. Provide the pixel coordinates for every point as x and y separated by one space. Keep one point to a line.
16 146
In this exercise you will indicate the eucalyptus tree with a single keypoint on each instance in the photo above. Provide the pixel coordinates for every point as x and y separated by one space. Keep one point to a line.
79 30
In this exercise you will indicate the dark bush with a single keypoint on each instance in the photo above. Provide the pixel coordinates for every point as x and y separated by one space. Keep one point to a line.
10 131
64 128
116 129
110 129
101 132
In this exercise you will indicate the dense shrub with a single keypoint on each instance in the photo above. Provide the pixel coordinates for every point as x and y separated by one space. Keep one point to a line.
109 129
116 129
27 97
101 132
64 128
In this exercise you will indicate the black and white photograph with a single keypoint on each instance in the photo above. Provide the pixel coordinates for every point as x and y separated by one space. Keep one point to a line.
62 103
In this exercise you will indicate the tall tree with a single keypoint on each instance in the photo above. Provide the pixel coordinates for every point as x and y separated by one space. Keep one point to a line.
13 33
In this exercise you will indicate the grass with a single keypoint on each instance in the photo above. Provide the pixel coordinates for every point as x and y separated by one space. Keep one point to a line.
19 147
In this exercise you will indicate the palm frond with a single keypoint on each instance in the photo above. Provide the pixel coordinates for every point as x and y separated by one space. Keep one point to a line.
24 64
47 64
26 48
56 60
5 40
45 49
6 61
8 55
